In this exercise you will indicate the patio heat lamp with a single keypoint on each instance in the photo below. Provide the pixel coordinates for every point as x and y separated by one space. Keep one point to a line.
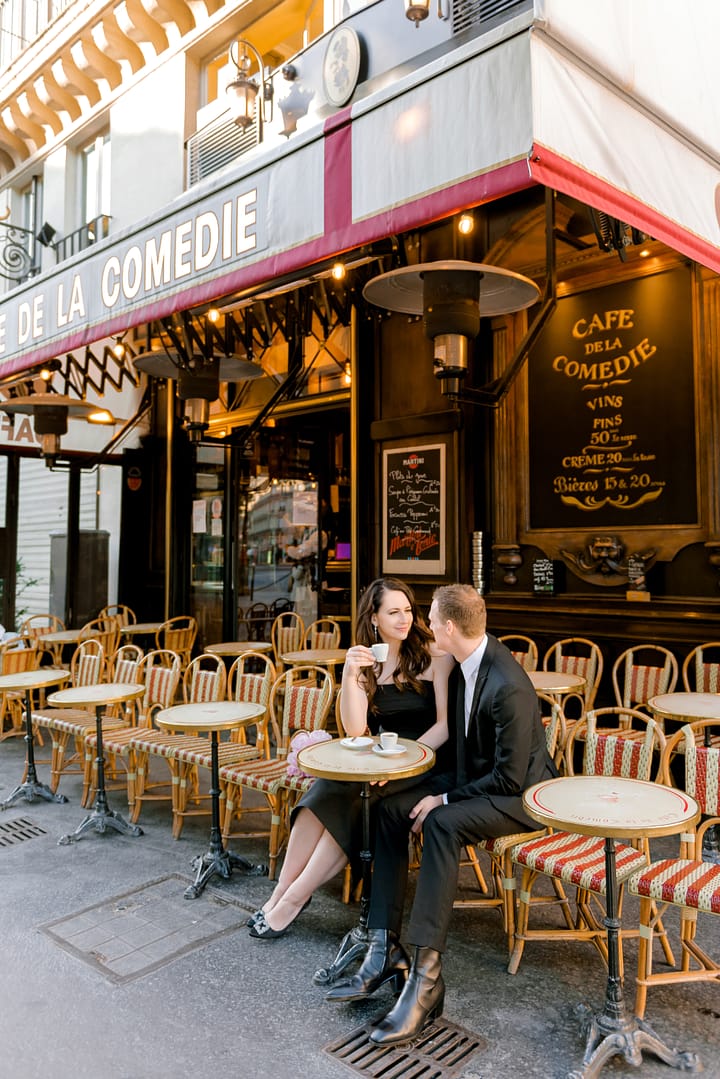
452 296
50 412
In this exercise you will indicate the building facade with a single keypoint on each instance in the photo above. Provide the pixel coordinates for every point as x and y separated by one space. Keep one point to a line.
541 418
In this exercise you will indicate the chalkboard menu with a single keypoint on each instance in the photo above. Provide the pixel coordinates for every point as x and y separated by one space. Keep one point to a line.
611 408
543 576
414 509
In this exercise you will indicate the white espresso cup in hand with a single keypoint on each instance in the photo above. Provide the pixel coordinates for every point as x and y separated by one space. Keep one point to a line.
380 651
388 740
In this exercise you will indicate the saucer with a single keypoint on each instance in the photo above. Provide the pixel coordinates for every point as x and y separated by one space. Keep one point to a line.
388 752
357 743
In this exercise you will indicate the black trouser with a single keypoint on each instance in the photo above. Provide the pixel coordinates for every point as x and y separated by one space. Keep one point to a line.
447 830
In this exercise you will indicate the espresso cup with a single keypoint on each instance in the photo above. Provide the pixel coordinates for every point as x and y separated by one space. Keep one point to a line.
380 651
388 739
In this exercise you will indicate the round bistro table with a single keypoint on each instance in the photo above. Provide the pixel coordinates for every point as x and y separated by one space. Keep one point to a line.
26 682
556 681
99 696
614 808
237 648
212 717
333 760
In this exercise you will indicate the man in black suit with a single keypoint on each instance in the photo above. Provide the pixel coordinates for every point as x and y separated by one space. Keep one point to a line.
499 752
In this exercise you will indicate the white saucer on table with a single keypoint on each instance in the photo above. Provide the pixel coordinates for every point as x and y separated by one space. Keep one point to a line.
394 752
361 742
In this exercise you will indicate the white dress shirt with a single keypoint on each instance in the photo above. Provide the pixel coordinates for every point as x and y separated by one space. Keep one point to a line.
470 667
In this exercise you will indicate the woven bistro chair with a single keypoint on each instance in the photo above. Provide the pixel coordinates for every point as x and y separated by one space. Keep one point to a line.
642 672
120 612
178 635
523 649
287 635
37 625
502 895
579 860
204 679
250 680
323 633
577 655
159 672
104 630
687 881
88 667
17 655
300 700
701 669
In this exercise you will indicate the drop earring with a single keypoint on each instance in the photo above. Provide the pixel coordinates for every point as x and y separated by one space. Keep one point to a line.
377 636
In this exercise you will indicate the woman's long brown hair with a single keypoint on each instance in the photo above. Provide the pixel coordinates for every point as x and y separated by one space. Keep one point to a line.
414 657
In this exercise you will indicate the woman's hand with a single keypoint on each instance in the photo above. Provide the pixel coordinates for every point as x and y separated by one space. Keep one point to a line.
357 658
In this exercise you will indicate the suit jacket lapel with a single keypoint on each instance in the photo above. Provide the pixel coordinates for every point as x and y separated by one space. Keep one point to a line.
482 676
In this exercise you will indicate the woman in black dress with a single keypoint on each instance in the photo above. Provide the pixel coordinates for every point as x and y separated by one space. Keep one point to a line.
407 693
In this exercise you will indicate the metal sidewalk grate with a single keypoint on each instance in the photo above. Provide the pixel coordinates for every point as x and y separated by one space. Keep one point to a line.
440 1052
17 831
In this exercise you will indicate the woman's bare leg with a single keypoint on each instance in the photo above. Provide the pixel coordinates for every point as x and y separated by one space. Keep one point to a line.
305 835
326 860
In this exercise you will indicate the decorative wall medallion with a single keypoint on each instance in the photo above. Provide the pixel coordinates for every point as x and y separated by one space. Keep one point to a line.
602 561
341 65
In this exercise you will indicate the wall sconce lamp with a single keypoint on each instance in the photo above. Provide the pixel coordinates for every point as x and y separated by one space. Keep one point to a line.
50 412
45 235
347 376
417 10
243 90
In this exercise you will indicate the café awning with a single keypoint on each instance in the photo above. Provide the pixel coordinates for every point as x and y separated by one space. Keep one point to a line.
616 104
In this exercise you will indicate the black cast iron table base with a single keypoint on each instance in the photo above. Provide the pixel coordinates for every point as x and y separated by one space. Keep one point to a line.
613 1032
216 859
354 944
30 788
222 863
102 818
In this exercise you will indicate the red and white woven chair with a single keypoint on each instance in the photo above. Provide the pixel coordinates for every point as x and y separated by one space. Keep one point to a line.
323 633
503 893
701 669
287 635
686 882
523 649
159 671
87 668
204 680
250 680
579 860
300 699
642 672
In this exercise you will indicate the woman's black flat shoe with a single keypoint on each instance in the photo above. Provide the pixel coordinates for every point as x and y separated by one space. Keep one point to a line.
262 931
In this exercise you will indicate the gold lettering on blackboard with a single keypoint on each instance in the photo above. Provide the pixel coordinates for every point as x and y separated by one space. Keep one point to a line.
608 470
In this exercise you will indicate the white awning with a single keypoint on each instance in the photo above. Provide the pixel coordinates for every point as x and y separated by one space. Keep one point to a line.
626 114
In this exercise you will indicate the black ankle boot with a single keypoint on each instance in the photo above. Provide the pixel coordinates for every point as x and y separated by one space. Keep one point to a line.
421 1000
385 960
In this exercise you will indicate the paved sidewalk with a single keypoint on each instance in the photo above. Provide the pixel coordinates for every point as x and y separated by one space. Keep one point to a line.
108 971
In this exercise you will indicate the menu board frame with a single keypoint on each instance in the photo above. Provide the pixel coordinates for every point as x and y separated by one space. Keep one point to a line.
665 537
432 458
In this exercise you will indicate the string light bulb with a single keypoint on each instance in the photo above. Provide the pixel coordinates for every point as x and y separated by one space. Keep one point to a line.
338 271
466 224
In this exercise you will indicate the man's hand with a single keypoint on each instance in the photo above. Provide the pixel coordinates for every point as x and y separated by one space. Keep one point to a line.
419 812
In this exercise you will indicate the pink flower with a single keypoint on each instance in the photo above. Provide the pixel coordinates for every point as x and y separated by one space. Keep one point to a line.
299 741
